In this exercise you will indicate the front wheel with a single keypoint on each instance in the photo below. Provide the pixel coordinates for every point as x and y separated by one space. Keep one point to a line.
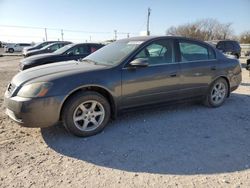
217 93
86 114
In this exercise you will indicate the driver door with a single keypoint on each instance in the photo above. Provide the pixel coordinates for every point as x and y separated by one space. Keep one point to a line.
157 82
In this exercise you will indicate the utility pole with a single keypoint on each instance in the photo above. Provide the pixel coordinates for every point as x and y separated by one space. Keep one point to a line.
45 29
148 32
115 31
62 33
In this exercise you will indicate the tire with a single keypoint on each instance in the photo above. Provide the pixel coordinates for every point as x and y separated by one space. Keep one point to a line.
217 93
86 113
11 50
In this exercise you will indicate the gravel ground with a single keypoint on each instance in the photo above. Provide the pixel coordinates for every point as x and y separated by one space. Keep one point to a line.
177 146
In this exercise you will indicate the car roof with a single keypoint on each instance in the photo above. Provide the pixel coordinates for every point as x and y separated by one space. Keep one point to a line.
226 40
147 38
150 38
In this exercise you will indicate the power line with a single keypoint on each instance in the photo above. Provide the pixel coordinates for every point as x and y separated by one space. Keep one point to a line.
67 30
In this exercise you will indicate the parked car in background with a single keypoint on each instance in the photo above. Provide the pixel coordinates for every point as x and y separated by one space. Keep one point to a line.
230 47
68 52
247 53
47 49
36 46
127 73
15 47
248 64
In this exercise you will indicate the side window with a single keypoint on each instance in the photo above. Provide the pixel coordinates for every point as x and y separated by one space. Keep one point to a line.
54 47
220 46
79 50
193 52
93 48
158 52
229 46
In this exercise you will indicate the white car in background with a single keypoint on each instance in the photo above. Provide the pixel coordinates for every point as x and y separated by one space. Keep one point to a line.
15 47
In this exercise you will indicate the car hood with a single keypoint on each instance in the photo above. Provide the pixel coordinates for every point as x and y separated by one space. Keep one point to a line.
47 72
36 57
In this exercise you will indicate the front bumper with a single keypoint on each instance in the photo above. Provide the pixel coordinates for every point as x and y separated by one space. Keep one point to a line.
34 112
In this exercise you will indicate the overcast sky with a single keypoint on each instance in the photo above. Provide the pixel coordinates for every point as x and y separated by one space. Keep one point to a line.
97 19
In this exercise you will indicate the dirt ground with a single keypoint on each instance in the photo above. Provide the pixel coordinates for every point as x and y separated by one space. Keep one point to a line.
177 146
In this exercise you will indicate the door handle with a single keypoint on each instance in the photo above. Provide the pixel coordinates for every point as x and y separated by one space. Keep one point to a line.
213 68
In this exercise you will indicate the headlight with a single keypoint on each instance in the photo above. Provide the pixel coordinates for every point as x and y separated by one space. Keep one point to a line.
39 89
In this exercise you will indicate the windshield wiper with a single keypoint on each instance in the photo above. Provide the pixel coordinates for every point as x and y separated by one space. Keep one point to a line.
88 61
92 62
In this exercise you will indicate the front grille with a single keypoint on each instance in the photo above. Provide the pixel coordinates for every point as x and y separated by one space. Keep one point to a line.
11 87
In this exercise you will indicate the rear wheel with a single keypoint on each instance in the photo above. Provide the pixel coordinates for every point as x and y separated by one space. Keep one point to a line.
217 93
86 114
11 50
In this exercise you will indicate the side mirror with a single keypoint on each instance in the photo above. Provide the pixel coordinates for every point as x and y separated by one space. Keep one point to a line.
140 62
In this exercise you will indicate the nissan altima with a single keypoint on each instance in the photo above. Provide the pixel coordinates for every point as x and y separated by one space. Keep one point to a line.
133 72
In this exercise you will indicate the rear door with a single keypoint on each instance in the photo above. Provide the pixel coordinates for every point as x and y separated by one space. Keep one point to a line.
197 67
157 82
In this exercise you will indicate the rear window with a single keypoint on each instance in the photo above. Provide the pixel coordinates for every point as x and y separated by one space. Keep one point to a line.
192 51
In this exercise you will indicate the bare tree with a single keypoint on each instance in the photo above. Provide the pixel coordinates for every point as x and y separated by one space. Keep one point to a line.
206 29
245 37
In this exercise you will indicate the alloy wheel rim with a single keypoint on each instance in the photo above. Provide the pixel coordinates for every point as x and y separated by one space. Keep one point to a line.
218 93
89 115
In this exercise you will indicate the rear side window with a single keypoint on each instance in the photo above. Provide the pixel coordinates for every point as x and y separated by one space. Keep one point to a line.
194 52
93 48
229 46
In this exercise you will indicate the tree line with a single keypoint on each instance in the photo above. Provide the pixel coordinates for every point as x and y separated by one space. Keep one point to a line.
207 30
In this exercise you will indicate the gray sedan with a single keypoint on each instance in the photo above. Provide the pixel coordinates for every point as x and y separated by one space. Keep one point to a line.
133 72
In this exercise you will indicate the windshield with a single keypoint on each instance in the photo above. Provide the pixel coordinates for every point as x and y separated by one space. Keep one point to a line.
113 53
63 49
